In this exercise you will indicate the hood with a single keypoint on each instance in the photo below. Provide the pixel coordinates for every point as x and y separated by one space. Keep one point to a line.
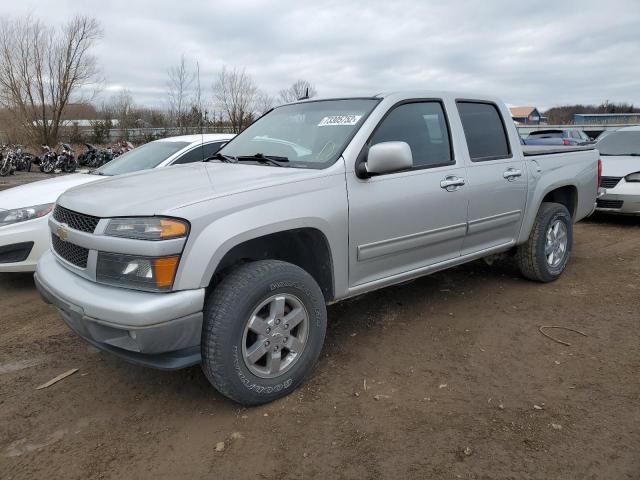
43 191
619 166
159 191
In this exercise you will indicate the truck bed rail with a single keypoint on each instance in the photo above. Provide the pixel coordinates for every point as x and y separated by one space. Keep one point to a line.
530 151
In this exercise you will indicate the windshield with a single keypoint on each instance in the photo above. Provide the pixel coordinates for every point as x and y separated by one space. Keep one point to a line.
620 143
309 134
149 155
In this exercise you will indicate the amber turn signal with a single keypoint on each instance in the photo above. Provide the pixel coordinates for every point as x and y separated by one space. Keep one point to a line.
165 271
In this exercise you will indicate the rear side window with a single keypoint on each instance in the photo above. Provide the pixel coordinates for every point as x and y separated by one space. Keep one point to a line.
424 127
484 131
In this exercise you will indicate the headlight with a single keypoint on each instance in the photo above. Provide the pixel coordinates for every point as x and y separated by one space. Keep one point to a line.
150 228
633 177
23 214
153 274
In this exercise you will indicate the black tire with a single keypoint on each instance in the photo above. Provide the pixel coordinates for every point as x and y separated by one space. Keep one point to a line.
48 167
226 314
70 166
5 168
531 257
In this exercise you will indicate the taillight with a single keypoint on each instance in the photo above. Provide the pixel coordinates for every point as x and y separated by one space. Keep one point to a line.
599 172
566 142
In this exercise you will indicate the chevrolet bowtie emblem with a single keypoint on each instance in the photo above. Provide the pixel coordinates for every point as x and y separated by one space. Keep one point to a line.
62 234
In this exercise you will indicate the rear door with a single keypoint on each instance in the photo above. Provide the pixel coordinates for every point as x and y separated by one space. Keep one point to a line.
497 179
406 220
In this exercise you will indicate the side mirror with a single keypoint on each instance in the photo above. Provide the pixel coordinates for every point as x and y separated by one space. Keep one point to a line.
388 157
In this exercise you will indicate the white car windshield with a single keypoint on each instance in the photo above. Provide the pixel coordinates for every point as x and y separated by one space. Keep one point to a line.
304 135
147 156
620 143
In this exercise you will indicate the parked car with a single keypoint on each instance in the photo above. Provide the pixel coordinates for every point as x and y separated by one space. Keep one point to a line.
565 136
231 263
620 152
24 234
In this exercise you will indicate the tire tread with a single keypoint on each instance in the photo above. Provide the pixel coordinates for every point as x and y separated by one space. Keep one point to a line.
216 325
527 256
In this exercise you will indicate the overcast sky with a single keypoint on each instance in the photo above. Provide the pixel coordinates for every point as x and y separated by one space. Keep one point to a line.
527 52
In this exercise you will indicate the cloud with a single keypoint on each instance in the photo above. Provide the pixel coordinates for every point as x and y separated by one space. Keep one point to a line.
533 53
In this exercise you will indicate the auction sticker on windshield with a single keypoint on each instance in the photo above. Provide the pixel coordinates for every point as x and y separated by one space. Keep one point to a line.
339 120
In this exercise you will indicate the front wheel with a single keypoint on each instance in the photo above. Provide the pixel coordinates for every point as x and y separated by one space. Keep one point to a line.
545 254
263 330
5 168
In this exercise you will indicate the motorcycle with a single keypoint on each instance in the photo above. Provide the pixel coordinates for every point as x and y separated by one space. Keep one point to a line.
122 147
47 160
6 163
23 159
89 157
66 159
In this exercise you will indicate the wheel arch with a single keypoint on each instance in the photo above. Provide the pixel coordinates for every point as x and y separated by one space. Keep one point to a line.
564 194
306 247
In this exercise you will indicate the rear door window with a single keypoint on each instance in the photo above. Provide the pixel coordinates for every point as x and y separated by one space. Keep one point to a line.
484 130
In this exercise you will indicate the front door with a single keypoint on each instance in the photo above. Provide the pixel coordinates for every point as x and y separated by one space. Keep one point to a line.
403 221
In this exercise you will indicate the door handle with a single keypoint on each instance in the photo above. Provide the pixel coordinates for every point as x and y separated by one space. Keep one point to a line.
511 174
451 183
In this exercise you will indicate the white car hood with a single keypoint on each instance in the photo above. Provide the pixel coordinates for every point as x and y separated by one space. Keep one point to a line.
617 166
43 191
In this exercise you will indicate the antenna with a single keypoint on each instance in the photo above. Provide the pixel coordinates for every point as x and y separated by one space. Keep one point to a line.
306 95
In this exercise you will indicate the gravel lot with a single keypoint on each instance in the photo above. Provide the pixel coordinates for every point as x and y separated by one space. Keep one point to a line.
19 178
459 384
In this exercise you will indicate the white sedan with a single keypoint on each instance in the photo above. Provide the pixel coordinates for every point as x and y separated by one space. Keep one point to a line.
24 233
620 154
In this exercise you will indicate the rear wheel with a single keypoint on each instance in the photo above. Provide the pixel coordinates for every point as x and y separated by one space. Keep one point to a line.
48 167
263 331
71 165
545 254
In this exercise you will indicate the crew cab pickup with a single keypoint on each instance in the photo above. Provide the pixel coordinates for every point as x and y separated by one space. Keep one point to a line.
231 262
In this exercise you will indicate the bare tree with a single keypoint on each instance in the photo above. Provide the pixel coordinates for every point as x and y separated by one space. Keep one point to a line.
122 109
235 94
43 69
297 90
180 92
264 102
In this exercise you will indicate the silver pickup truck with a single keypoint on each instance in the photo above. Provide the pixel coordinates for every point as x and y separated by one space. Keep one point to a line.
231 262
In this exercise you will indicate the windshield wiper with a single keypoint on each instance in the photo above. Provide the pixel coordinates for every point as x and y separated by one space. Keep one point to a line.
96 172
261 157
222 158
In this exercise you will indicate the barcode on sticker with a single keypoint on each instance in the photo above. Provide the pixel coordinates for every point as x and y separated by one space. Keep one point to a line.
339 120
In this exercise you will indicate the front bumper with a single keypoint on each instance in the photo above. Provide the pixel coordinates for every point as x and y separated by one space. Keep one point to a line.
34 231
160 330
620 203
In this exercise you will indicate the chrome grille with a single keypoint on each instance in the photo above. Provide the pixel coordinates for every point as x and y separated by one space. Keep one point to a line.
75 220
609 182
71 252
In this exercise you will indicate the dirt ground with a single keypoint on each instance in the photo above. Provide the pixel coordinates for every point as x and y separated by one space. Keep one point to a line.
19 178
459 384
